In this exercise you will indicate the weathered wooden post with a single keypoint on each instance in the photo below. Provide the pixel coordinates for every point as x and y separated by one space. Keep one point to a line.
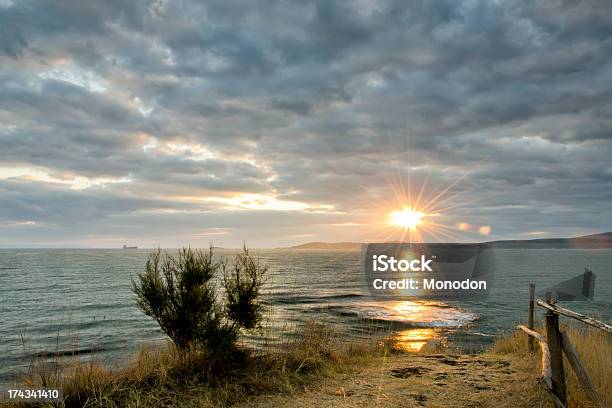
581 372
553 338
530 321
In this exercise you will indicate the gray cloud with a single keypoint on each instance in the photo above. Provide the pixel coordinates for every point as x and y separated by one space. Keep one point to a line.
315 102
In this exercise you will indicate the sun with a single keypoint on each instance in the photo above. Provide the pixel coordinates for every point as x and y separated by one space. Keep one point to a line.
406 218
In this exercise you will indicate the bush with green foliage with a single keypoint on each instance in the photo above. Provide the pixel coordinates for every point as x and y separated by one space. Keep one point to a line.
182 293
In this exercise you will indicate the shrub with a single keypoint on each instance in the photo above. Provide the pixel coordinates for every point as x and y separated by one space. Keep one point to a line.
242 286
182 293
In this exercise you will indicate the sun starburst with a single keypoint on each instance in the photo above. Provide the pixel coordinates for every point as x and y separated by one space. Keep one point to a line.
406 218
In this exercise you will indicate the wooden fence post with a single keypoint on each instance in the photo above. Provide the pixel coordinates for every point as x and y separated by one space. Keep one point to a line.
580 370
553 338
530 322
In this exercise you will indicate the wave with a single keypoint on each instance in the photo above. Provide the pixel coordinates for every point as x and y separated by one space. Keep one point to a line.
293 299
413 314
66 353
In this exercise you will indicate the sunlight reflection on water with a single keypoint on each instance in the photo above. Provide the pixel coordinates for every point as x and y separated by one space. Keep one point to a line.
413 340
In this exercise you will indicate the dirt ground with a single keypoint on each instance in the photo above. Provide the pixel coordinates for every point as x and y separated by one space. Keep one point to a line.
439 380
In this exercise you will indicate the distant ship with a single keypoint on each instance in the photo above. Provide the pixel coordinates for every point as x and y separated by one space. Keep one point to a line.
129 247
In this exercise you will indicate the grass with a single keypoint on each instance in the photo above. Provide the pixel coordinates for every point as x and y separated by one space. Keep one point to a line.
159 376
594 348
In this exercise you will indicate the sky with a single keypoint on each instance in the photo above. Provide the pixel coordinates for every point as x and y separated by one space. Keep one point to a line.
274 123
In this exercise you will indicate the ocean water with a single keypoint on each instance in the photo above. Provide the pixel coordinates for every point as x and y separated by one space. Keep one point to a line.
80 301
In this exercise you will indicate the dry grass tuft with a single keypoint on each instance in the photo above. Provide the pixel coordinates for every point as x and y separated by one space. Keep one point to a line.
160 376
594 348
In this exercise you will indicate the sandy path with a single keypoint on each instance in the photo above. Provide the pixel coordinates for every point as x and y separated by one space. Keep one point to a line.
442 380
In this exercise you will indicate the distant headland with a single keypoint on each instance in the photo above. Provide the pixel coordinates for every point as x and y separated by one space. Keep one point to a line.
329 245
603 240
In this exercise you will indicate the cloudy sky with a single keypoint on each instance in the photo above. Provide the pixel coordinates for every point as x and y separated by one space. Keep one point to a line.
272 122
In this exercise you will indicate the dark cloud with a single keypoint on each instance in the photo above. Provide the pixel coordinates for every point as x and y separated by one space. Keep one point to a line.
319 103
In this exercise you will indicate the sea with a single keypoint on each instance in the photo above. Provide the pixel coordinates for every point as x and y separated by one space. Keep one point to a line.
79 303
